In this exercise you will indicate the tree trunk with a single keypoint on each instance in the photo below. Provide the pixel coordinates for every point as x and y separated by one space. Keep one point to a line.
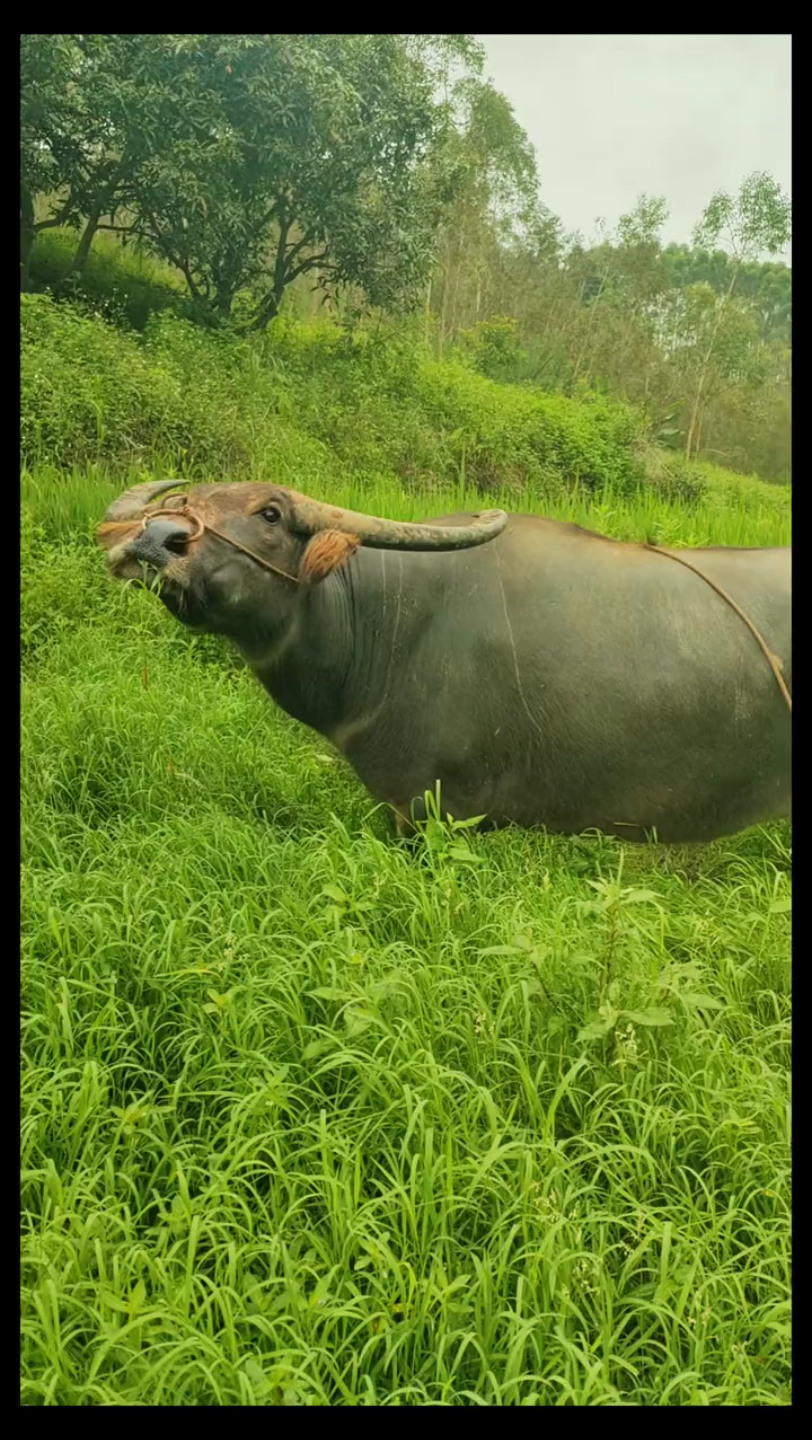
27 233
26 246
593 310
693 423
223 301
269 306
446 291
453 325
29 230
698 398
83 248
698 436
267 311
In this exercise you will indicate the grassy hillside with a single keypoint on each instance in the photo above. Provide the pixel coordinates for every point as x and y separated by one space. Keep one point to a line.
311 1119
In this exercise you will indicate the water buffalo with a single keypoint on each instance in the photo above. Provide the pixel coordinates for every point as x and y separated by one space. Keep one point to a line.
543 674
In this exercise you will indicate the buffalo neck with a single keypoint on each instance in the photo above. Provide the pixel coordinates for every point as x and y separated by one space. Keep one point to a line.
331 665
306 665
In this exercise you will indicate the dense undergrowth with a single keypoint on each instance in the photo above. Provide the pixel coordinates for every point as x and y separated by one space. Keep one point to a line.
121 377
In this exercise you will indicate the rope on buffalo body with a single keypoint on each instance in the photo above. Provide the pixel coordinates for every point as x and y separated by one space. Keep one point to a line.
772 660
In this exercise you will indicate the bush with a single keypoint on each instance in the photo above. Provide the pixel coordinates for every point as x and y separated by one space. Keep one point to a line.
673 477
319 408
493 347
121 284
520 436
90 392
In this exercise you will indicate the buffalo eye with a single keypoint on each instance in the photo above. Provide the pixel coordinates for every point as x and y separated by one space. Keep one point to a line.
271 514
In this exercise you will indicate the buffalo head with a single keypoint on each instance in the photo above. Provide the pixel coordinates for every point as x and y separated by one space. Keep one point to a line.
222 555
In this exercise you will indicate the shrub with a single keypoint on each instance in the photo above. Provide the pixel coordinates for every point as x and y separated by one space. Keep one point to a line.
124 285
319 408
493 347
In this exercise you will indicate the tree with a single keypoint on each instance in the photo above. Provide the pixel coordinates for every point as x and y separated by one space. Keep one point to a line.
95 110
47 135
758 219
378 163
622 278
318 163
766 284
495 210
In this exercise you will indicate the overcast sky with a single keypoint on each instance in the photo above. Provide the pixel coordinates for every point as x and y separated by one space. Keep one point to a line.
612 116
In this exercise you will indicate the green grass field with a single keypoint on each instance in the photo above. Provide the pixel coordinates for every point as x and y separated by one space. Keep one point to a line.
310 1118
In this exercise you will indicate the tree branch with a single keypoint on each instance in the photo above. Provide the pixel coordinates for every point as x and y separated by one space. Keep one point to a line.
184 267
295 249
271 302
152 231
51 224
54 220
309 264
277 211
120 229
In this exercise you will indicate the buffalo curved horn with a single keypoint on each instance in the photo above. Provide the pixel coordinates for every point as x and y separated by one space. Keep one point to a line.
130 505
381 534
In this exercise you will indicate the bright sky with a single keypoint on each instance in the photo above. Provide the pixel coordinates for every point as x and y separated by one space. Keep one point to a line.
612 116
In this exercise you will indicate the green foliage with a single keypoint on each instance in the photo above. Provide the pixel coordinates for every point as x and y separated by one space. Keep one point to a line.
673 477
491 161
97 112
317 405
245 160
517 436
46 64
767 285
715 342
493 347
758 219
620 315
216 404
46 127
90 392
123 285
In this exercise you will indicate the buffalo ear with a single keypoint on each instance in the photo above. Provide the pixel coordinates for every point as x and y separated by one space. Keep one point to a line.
325 553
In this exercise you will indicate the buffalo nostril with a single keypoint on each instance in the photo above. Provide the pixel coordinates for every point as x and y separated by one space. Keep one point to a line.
161 538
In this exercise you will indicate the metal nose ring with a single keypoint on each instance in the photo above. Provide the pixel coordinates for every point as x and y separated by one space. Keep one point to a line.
175 515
